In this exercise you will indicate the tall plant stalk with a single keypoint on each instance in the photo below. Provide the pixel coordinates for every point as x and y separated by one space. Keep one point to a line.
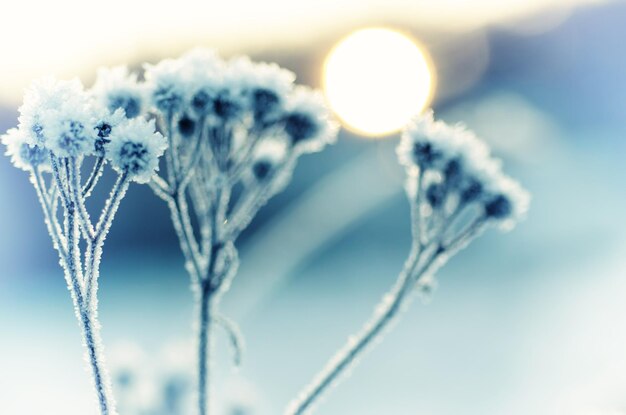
235 130
455 191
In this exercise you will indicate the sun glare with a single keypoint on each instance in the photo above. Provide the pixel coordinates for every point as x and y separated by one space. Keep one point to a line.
376 79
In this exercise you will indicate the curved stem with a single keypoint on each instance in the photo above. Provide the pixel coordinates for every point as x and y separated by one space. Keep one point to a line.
91 335
94 244
87 318
71 260
180 219
386 310
78 199
235 337
95 175
51 222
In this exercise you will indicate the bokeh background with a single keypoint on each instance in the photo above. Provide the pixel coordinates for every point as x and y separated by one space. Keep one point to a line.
529 322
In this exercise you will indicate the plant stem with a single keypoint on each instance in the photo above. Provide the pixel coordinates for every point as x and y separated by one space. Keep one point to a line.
91 335
88 321
384 314
85 312
204 348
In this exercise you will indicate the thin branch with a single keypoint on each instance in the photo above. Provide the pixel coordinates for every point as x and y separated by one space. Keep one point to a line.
94 244
94 177
51 221
234 336
77 196
384 314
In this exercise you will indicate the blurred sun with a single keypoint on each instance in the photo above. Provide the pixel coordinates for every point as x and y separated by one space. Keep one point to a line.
376 79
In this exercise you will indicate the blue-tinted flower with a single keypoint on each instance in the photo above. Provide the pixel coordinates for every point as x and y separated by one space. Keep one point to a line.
117 88
465 170
24 155
264 86
268 158
186 125
104 125
135 148
308 123
70 133
165 85
47 95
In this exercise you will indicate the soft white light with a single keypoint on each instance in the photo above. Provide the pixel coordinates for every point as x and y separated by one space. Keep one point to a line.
376 79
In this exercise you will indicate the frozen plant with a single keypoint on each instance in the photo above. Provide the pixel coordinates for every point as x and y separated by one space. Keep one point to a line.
456 190
61 130
235 129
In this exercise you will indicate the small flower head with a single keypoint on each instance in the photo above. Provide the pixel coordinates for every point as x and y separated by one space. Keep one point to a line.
24 155
69 131
455 165
117 88
135 148
265 87
505 201
166 86
268 158
57 115
186 125
44 96
200 71
427 144
307 121
105 123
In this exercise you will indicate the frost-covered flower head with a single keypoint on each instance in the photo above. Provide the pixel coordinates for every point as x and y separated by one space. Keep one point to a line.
58 115
235 105
117 88
308 122
135 148
44 95
24 155
62 119
456 169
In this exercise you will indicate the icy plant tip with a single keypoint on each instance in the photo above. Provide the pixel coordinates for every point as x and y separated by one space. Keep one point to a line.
450 170
62 131
456 190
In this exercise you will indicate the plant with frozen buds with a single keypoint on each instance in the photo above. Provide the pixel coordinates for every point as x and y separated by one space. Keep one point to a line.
236 129
61 130
456 190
